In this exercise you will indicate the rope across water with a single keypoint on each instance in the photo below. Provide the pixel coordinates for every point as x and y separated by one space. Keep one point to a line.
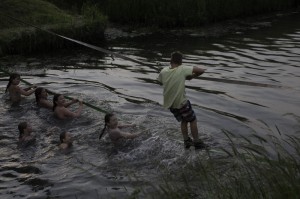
153 66
53 93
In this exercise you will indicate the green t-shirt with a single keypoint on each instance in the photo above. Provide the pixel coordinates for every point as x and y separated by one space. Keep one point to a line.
173 81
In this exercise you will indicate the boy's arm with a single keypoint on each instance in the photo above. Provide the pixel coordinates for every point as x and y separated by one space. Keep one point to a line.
46 104
129 135
67 104
23 92
126 125
68 113
196 72
30 87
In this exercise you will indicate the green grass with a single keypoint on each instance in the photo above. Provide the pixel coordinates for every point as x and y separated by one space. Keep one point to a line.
250 167
18 38
36 12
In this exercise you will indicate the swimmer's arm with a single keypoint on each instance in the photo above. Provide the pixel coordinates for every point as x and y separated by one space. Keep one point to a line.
24 92
46 104
129 135
70 102
63 146
69 113
126 125
30 87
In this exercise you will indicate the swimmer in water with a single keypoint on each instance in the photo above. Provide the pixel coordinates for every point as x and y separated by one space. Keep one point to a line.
15 91
41 97
65 140
25 131
114 130
61 111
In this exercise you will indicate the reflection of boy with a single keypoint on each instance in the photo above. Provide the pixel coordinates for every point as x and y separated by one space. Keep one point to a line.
173 81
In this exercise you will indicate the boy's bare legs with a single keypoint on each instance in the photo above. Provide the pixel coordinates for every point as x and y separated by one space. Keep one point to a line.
188 142
184 130
194 130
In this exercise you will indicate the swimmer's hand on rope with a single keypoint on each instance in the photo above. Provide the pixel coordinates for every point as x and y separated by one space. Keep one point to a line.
30 87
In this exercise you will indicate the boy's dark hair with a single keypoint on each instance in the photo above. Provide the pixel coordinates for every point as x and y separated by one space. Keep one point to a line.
37 93
176 58
21 127
62 136
55 98
106 120
11 78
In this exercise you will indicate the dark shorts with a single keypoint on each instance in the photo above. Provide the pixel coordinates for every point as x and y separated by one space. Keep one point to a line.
185 113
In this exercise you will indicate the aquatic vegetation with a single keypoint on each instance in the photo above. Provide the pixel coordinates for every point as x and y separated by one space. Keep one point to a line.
254 167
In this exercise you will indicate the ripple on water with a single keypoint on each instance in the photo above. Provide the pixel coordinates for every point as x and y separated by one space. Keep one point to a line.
97 169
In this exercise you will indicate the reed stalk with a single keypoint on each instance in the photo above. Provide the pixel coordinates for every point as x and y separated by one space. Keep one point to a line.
254 167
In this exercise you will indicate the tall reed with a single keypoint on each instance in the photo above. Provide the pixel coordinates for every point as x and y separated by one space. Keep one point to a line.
249 167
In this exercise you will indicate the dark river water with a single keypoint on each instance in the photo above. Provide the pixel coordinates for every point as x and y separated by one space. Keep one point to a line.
266 50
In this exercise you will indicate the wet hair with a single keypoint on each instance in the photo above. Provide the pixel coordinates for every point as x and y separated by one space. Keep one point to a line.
38 93
21 127
106 121
176 58
11 78
55 98
62 136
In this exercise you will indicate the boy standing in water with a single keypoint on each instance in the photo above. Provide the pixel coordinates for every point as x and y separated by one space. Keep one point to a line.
173 81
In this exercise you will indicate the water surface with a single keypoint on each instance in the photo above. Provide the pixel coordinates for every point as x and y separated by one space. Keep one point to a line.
267 51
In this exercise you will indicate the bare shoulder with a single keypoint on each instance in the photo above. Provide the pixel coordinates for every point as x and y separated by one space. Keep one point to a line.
63 146
14 88
45 103
115 131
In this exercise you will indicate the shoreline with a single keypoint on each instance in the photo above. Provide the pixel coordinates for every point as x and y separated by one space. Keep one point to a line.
27 40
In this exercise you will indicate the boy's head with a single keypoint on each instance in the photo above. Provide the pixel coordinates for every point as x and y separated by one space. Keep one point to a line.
39 93
111 120
58 98
107 118
65 137
176 58
24 128
14 78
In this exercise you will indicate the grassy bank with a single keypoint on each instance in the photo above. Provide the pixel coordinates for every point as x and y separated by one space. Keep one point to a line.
21 38
252 167
174 13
